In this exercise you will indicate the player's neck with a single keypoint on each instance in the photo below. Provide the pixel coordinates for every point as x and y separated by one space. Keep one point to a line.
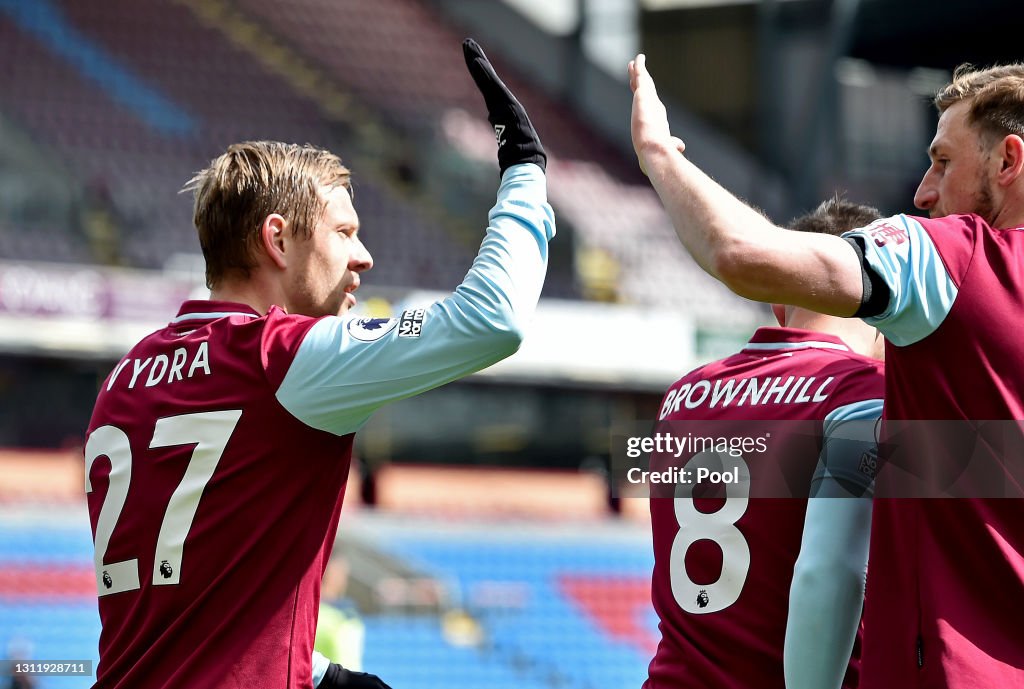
1011 214
249 292
801 319
852 331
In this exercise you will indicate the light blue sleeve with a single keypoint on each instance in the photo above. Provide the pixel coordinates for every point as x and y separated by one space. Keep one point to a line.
846 466
320 665
346 368
921 292
827 593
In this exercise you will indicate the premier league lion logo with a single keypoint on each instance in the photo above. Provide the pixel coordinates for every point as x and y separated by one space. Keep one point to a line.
165 569
703 599
107 581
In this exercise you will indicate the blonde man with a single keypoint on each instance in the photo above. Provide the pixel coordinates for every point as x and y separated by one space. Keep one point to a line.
219 447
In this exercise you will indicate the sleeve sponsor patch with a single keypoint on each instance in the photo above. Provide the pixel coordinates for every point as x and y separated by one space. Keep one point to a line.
869 464
884 232
371 329
411 323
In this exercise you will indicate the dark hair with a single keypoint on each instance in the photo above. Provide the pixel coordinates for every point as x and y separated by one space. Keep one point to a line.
835 216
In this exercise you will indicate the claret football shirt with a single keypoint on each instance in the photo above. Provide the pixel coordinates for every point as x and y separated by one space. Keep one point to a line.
945 590
219 447
724 564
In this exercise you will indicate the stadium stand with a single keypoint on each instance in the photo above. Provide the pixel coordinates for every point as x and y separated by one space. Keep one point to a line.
135 101
544 621
209 83
397 55
47 588
428 660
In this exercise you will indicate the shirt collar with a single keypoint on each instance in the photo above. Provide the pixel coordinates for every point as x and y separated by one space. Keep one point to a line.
204 310
771 338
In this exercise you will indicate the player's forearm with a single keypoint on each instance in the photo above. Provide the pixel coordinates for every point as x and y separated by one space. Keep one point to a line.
503 286
501 290
827 593
819 641
751 256
730 240
727 238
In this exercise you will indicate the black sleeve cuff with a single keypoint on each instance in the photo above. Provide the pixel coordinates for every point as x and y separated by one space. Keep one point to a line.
875 299
336 676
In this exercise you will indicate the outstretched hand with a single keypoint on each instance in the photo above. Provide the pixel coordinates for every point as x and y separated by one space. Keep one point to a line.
649 120
517 139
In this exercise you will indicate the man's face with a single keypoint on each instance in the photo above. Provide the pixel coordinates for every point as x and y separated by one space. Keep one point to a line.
324 271
959 179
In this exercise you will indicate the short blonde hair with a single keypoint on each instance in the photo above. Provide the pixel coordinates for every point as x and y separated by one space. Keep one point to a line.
248 182
996 96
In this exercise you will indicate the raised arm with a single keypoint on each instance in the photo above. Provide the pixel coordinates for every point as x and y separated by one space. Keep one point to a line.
346 368
727 238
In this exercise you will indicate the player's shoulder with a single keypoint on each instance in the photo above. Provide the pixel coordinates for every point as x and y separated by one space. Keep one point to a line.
848 364
743 360
707 371
962 229
281 336
847 375
697 372
280 323
946 233
856 363
957 238
857 378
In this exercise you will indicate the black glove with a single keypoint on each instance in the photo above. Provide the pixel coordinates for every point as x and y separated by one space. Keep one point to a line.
338 677
517 139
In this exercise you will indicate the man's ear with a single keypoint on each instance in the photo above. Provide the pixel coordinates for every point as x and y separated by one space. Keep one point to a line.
272 233
1011 165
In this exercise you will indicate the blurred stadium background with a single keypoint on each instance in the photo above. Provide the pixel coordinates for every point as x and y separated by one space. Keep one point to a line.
480 543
